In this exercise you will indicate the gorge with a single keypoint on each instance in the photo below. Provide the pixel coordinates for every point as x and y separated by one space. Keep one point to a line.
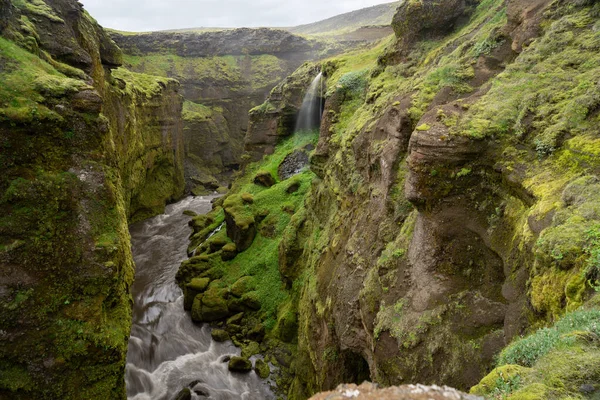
436 221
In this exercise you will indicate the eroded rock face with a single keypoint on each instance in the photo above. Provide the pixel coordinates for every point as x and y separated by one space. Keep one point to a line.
420 19
223 75
368 391
98 150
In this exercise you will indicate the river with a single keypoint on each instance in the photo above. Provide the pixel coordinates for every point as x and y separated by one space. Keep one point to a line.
167 351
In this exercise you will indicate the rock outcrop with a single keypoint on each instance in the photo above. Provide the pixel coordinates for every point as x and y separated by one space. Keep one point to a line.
368 391
84 148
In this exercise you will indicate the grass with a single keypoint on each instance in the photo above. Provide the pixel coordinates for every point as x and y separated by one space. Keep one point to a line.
145 85
551 363
246 201
26 82
265 70
527 351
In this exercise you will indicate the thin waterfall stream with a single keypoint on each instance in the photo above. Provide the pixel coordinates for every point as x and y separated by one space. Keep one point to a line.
311 110
167 351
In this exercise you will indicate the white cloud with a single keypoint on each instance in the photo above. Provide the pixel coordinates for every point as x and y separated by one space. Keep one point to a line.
151 15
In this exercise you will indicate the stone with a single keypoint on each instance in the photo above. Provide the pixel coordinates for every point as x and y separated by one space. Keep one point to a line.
262 369
243 285
257 333
264 178
210 306
240 364
370 391
587 388
219 335
193 289
228 252
184 394
251 301
293 164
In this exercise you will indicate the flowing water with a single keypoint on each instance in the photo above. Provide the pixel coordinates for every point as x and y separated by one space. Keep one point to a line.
309 117
167 351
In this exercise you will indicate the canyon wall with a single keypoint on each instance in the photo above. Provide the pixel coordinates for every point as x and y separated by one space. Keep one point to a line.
223 75
452 208
85 147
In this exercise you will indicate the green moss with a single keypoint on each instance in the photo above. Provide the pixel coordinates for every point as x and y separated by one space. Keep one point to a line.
38 8
241 213
501 382
26 81
146 86
231 71
196 112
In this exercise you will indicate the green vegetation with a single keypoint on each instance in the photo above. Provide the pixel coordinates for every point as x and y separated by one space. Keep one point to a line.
225 70
561 359
250 204
38 8
552 84
145 85
27 83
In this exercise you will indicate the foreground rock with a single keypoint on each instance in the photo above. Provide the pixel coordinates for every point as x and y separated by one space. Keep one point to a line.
240 364
370 391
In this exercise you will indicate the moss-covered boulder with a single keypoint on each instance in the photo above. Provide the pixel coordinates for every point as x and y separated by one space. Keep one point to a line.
243 285
193 289
264 178
228 252
241 227
262 369
240 364
219 335
210 306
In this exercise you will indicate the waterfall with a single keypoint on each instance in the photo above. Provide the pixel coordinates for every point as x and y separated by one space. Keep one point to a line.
310 114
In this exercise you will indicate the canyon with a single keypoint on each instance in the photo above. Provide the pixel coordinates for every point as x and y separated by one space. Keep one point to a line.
439 224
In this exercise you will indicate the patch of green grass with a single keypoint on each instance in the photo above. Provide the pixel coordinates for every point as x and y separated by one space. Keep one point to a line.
38 8
25 83
528 350
147 86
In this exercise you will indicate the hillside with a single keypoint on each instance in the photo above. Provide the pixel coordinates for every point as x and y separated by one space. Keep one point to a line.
344 23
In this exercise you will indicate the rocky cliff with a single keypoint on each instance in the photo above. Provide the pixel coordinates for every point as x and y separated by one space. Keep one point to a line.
223 75
453 208
84 148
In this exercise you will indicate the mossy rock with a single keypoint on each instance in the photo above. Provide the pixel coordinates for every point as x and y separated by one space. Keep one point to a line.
200 190
236 319
243 285
210 306
193 289
262 369
250 349
241 226
184 394
229 251
257 333
219 335
240 364
505 373
251 300
217 243
190 213
247 198
287 326
264 178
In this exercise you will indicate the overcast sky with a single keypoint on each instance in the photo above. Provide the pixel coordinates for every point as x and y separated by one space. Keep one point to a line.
151 15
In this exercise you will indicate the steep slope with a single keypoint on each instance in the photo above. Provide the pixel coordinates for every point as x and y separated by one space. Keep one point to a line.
380 15
83 149
454 206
